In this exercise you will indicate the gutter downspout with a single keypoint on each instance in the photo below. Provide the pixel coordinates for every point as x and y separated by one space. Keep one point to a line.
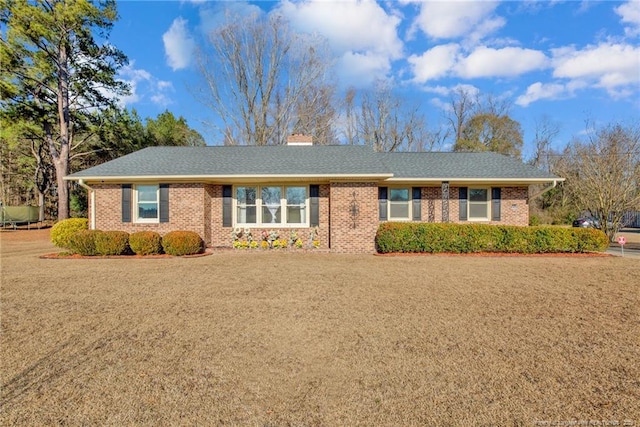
544 190
92 204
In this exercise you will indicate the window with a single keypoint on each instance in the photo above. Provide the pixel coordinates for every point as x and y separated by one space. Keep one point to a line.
399 204
478 204
271 205
296 205
246 198
278 205
147 203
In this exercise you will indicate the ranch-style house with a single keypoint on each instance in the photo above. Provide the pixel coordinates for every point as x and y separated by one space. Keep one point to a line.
340 192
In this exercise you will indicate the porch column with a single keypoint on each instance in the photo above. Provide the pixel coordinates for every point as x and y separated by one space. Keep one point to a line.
445 201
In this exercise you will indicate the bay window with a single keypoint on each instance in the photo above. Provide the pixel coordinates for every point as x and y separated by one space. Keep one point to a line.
271 205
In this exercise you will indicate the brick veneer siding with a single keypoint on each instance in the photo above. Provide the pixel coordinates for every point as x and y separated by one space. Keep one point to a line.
513 206
186 210
221 236
198 208
349 233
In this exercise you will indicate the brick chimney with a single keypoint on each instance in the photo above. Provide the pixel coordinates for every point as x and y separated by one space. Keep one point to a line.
299 139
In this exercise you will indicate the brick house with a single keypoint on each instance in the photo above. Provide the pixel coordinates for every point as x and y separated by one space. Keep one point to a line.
342 191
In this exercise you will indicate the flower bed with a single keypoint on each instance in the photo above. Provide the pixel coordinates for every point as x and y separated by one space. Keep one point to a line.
244 238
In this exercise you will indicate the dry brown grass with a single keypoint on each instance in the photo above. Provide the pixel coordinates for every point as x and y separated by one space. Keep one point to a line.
267 339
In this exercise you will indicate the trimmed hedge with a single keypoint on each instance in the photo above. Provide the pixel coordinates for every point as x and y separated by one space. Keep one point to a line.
182 243
469 238
112 243
83 242
62 231
145 243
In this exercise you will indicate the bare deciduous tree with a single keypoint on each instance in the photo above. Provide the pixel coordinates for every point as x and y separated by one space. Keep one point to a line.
257 76
603 174
389 123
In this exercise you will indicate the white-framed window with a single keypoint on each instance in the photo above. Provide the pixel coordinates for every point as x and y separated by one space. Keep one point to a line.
147 203
271 205
478 204
399 204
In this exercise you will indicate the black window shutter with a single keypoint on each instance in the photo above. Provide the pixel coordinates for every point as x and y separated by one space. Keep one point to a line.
495 203
382 203
462 203
227 218
314 205
126 202
164 202
417 203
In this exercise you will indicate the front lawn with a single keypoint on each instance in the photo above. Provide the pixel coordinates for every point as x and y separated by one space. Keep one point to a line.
246 338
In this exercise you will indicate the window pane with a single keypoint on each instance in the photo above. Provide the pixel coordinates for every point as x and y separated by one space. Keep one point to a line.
147 210
296 214
477 194
147 193
271 214
399 194
399 210
296 195
247 214
271 195
478 210
246 195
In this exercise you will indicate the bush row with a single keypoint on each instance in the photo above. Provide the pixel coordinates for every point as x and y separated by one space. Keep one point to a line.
469 238
73 235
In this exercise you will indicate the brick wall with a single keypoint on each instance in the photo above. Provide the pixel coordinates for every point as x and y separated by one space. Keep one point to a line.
351 233
514 209
186 210
198 208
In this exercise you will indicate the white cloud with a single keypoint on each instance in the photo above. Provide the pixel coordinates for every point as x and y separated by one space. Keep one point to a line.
362 69
538 91
630 14
613 67
144 86
359 32
458 19
212 18
434 63
360 25
447 60
505 62
179 46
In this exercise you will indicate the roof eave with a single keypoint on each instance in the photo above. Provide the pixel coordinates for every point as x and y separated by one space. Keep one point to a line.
230 178
489 180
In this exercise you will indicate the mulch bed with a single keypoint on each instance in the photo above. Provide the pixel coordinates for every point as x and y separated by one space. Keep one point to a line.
500 254
62 255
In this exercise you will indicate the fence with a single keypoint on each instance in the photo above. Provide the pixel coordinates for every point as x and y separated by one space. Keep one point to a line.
632 219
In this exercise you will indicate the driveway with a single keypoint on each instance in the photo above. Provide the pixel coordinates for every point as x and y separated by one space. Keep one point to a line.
631 248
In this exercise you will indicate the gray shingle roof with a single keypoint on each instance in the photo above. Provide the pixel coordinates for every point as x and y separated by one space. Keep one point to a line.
242 160
317 160
460 165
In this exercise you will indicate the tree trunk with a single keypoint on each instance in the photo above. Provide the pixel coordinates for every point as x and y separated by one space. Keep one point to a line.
61 158
62 169
40 206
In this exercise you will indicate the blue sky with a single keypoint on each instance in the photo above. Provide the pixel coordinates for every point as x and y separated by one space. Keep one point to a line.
569 60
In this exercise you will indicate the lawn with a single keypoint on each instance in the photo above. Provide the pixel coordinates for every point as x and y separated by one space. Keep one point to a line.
305 339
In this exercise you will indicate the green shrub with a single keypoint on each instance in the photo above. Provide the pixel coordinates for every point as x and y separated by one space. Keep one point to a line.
590 239
182 243
83 242
62 231
534 220
145 243
469 238
112 243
